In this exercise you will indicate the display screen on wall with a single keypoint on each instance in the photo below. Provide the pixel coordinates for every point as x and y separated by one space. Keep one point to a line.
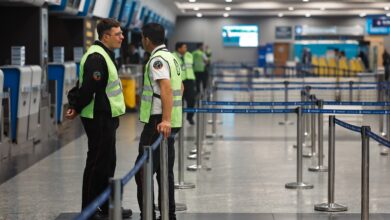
240 35
283 32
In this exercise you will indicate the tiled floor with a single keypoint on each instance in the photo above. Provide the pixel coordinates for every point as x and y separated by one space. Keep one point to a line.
249 168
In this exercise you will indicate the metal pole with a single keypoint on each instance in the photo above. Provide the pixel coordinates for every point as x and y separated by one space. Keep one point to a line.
307 120
286 122
365 172
350 91
330 206
385 150
380 117
194 152
299 184
181 184
147 206
313 130
320 167
198 164
164 180
115 203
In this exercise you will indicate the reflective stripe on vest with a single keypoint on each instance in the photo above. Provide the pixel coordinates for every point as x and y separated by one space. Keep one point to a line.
147 92
113 88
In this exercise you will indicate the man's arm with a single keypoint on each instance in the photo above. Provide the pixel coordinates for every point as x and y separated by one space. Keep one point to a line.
167 104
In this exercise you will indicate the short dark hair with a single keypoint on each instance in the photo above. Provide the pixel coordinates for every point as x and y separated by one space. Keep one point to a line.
199 45
179 45
105 25
155 32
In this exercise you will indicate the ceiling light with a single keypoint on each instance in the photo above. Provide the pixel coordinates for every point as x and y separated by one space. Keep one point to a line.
387 8
291 8
280 15
322 9
199 15
362 14
225 15
307 15
388 14
192 0
196 9
228 8
228 0
305 0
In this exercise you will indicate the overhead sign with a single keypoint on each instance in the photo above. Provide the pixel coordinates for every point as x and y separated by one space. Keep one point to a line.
283 32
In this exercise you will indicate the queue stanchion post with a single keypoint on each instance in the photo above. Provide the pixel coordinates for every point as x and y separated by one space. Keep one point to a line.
331 206
385 150
351 91
365 173
306 116
381 98
320 167
147 185
299 184
115 202
181 184
198 142
286 121
164 188
194 152
313 130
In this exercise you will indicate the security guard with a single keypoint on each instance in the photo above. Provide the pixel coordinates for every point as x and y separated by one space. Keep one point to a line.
200 61
99 102
161 106
186 61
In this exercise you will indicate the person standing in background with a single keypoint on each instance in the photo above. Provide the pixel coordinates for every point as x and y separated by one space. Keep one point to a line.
134 57
100 102
186 61
386 64
200 61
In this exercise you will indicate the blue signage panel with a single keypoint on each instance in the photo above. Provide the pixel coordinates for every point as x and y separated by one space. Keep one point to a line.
381 22
374 29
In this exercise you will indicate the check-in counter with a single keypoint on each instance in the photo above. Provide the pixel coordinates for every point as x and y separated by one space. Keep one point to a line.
17 80
62 77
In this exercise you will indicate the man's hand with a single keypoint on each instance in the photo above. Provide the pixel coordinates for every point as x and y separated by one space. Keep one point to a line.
71 114
165 128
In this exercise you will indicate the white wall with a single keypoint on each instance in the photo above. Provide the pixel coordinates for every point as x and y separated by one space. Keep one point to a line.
208 30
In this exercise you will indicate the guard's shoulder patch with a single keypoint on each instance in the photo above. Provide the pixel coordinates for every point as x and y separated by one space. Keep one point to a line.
97 75
157 64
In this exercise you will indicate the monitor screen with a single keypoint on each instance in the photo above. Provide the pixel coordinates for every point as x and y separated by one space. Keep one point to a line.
240 35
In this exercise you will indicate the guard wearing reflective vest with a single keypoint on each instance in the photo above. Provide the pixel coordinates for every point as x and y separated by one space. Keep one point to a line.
186 61
161 107
99 101
200 61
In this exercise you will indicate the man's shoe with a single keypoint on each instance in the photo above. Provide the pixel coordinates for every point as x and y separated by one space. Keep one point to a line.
100 215
191 121
126 213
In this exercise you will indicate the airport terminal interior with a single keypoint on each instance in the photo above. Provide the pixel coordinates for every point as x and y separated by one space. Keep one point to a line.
293 122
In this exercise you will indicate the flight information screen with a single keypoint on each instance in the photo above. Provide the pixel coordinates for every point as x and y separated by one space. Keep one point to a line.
240 35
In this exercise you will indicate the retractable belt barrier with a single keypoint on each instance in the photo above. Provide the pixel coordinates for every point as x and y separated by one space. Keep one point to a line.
235 103
295 88
273 111
105 195
299 83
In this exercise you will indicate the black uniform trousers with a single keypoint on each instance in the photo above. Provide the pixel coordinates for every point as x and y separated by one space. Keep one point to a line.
101 156
189 95
148 136
201 77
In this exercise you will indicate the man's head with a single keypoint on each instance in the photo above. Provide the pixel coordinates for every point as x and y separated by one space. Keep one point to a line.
199 46
153 35
110 33
181 48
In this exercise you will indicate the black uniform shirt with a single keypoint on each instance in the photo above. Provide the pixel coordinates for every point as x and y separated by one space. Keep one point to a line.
95 81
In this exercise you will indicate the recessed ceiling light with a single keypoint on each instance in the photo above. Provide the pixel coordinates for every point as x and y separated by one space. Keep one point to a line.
228 8
362 14
307 15
280 15
192 0
305 0
228 0
291 8
387 8
196 9
322 9
225 15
